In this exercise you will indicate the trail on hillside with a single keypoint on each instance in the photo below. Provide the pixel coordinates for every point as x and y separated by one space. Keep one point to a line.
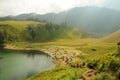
88 74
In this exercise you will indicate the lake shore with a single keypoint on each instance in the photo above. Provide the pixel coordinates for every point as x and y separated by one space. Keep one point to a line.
58 53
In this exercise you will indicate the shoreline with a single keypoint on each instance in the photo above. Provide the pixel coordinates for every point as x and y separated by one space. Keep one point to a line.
57 53
28 51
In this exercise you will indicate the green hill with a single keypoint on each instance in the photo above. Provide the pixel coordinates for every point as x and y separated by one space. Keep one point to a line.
20 25
12 31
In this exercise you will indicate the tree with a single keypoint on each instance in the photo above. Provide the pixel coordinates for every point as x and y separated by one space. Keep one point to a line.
118 45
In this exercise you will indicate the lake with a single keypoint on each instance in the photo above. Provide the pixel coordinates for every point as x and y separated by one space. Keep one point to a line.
18 66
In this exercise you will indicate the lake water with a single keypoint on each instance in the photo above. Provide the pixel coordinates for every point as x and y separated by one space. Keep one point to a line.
17 66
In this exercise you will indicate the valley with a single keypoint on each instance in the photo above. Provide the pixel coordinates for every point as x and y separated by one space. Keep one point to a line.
80 50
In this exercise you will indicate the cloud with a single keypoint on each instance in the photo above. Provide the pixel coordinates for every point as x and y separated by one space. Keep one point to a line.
14 7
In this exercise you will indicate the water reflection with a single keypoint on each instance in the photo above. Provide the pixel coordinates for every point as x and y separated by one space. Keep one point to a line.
32 53
1 58
0 71
30 73
17 66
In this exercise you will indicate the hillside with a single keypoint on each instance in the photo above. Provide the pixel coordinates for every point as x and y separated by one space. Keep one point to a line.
105 67
97 21
31 31
114 37
20 25
12 31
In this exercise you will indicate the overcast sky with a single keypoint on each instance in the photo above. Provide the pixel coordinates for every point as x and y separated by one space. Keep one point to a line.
15 7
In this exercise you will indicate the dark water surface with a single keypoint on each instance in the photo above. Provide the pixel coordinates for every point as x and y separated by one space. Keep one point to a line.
17 66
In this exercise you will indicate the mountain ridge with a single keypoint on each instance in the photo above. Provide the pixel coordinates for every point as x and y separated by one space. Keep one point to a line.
95 20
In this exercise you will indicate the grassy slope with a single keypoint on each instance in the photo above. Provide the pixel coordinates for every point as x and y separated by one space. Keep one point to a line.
114 37
84 45
59 73
20 25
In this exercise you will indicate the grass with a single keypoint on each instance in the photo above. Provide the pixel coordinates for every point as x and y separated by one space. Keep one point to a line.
84 45
59 73
100 49
114 37
20 25
104 76
61 42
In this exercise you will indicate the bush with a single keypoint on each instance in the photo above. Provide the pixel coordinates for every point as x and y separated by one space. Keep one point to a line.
107 62
47 32
9 34
33 33
104 76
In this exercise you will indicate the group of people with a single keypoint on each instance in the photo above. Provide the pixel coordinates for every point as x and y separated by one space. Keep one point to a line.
78 65
63 55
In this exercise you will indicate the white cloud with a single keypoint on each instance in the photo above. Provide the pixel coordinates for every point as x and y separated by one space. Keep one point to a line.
13 7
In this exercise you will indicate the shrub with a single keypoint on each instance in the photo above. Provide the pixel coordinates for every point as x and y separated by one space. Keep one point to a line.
104 76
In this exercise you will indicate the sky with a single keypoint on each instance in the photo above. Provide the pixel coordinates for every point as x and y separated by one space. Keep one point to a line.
15 7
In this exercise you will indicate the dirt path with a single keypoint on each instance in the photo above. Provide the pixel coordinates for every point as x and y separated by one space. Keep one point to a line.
88 74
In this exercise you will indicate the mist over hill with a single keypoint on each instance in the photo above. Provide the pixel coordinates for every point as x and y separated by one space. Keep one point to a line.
96 21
